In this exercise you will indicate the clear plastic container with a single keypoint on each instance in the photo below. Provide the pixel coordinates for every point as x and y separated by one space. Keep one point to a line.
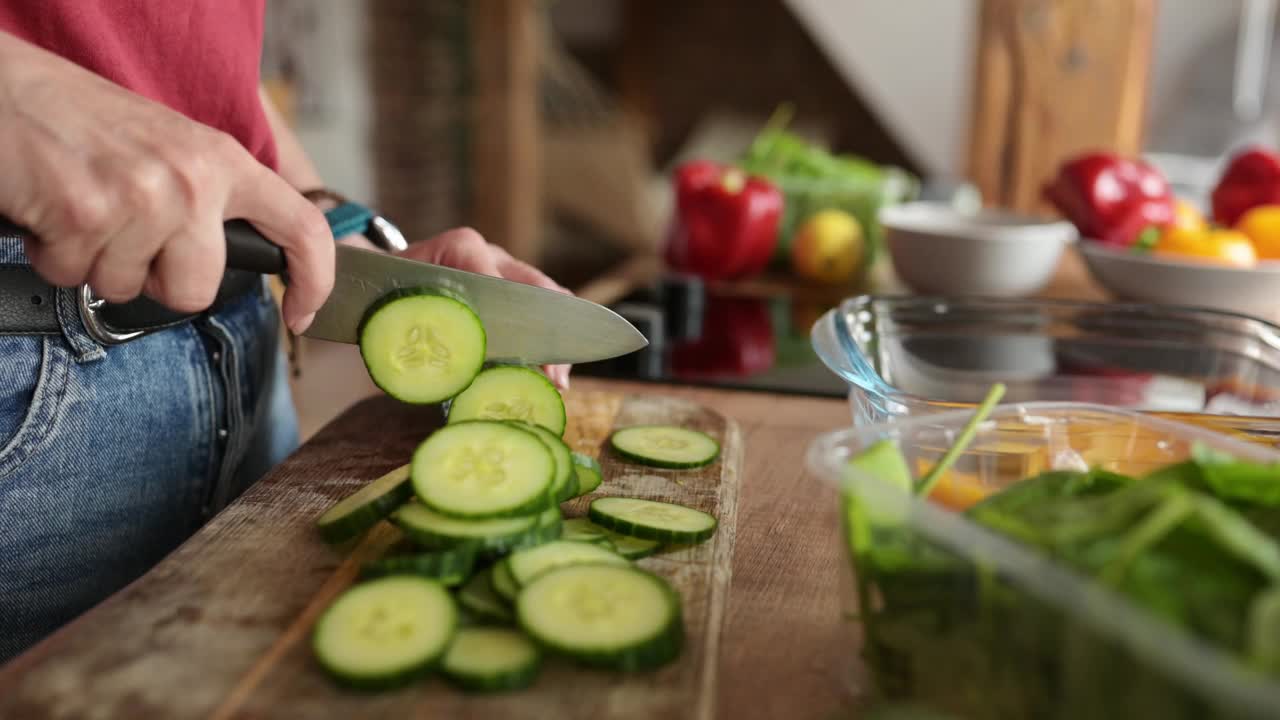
906 356
966 621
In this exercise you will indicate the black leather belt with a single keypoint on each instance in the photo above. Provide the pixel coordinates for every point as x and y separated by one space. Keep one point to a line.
28 305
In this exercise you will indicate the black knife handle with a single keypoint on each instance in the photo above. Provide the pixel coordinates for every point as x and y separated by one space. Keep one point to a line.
247 249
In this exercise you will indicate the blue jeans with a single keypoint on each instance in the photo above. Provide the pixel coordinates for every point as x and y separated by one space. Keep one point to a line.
110 457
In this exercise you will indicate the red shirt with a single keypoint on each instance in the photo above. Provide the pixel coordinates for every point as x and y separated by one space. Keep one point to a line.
199 57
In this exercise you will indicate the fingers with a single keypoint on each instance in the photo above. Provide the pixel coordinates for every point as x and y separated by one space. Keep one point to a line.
289 220
121 269
512 269
72 223
558 375
181 276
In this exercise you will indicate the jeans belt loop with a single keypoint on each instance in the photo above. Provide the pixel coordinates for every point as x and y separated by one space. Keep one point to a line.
77 335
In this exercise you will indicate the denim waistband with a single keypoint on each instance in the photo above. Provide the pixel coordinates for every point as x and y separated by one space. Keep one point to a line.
82 344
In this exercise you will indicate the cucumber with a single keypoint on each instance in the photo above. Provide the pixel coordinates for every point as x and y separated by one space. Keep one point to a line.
422 346
583 530
667 523
604 615
564 485
511 392
385 633
549 526
479 598
589 473
665 446
525 565
450 567
476 470
361 510
631 548
504 586
489 659
430 529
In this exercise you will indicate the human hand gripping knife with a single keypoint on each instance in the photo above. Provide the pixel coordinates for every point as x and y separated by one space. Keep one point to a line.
524 324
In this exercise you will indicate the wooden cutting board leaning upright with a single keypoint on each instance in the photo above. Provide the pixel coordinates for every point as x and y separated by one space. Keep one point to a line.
221 628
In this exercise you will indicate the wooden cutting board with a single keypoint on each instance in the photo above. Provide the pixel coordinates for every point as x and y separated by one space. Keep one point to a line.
221 628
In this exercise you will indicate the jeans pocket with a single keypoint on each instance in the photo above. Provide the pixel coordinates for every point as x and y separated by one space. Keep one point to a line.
33 381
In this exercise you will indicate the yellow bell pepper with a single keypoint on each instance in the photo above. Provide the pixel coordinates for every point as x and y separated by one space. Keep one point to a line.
1213 245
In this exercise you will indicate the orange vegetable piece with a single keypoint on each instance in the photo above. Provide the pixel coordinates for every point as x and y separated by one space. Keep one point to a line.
1262 226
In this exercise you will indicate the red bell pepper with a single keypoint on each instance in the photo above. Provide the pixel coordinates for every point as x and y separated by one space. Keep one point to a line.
737 341
726 222
1111 199
1252 178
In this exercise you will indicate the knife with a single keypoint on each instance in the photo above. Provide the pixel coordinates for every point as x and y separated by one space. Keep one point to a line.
523 323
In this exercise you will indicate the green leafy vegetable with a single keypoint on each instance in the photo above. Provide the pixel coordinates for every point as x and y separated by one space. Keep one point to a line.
1233 480
1195 543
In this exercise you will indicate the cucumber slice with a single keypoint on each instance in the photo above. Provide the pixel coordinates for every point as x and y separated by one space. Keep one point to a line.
589 473
489 659
479 598
511 392
504 586
550 525
385 633
525 565
421 346
362 509
477 470
563 486
430 529
652 520
609 615
450 567
665 446
583 530
883 460
631 548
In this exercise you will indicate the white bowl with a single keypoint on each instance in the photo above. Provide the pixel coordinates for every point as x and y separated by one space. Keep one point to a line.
1170 281
939 250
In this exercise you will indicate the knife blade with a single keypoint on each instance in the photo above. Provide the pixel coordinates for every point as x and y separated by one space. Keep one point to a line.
523 323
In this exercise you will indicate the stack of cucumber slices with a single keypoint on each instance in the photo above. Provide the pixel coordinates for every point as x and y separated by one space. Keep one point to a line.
488 576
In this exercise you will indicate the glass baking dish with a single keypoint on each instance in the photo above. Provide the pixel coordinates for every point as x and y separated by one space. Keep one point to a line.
908 355
948 614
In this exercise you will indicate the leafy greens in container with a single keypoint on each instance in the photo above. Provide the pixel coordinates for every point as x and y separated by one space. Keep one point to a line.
1193 545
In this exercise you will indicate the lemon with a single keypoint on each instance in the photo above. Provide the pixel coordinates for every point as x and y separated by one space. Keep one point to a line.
828 247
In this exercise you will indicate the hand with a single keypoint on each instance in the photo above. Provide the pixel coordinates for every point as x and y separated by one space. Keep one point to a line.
465 249
129 196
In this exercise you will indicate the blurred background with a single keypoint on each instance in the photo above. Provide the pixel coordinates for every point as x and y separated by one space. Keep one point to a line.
554 126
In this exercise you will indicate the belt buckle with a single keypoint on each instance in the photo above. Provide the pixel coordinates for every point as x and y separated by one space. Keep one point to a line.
99 330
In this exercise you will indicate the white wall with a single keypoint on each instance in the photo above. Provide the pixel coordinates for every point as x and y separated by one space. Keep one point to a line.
323 41
912 60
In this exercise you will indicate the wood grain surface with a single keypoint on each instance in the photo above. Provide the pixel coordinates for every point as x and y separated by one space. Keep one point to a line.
221 627
1054 78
